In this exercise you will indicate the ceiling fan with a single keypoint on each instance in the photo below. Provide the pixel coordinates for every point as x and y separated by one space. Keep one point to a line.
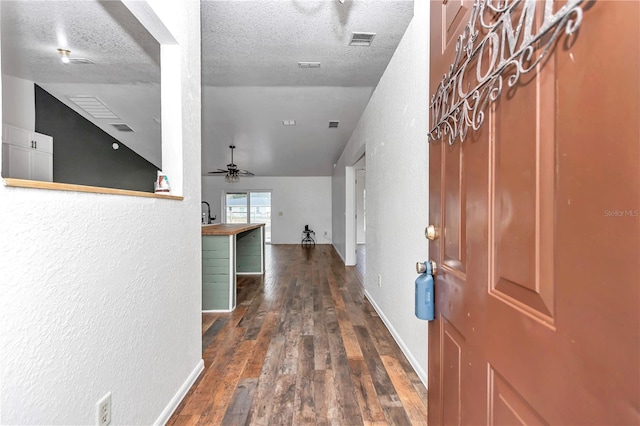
233 173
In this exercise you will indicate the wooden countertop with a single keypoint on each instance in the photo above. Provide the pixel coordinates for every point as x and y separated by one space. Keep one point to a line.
229 228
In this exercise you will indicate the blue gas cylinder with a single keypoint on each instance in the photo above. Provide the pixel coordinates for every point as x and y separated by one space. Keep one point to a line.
424 294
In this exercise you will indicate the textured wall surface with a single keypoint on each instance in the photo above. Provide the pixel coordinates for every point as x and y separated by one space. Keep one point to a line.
393 132
102 293
302 201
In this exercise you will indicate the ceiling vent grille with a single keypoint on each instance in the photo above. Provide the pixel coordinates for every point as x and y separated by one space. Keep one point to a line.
333 124
122 127
81 61
361 39
308 64
93 106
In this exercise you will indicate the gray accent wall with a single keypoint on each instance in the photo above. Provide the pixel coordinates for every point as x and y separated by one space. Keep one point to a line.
83 153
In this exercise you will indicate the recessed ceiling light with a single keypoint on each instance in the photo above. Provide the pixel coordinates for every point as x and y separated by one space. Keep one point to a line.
308 64
361 39
288 122
64 55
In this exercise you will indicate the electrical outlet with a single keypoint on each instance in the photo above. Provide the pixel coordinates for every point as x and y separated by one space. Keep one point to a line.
379 280
103 410
325 233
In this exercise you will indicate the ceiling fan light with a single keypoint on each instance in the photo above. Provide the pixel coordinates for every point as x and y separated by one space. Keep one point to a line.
233 173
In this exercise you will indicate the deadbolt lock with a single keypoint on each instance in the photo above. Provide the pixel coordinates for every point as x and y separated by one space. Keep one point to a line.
431 233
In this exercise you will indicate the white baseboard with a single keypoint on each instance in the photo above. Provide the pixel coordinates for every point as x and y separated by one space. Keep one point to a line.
412 360
178 397
338 251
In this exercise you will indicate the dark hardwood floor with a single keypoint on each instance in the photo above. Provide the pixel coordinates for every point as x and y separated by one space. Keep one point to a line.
303 347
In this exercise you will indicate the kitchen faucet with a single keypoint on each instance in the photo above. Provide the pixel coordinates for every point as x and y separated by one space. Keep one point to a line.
208 218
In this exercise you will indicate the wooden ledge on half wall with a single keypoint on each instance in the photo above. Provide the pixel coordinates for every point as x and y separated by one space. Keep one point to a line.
24 183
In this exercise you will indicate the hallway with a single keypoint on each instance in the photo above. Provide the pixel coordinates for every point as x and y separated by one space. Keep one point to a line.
303 347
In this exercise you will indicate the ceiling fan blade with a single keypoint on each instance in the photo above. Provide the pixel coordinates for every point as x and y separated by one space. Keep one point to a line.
232 168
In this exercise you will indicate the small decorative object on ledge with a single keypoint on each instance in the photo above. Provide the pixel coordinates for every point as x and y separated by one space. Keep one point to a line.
462 97
161 185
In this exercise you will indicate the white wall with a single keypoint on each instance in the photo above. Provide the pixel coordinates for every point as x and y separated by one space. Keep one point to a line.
301 200
100 292
393 131
18 98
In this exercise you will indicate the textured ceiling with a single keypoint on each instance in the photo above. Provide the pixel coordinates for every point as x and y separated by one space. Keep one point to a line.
259 43
103 31
251 81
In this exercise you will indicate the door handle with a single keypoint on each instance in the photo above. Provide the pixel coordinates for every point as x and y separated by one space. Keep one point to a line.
431 233
421 267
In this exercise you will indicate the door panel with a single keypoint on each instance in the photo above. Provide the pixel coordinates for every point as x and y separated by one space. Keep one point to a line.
506 406
523 177
452 350
454 12
538 293
41 165
454 213
19 161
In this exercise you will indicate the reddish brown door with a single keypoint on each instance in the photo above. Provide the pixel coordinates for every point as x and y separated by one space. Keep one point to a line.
538 289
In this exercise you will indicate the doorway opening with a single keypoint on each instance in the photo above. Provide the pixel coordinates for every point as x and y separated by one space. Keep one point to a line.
361 216
249 207
355 215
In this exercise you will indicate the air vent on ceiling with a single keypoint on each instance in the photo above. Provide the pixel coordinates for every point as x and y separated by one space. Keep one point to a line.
333 124
288 122
93 106
361 39
308 64
81 61
122 127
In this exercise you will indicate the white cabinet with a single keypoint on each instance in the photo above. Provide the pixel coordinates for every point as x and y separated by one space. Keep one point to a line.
26 155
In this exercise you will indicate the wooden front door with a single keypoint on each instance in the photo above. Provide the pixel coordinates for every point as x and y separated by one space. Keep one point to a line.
538 288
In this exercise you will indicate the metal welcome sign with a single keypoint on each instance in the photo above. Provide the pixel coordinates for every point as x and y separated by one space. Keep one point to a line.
504 52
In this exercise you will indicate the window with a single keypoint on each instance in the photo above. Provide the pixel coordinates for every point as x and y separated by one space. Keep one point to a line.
249 207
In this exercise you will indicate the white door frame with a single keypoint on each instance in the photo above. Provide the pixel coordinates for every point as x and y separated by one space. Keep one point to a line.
350 216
